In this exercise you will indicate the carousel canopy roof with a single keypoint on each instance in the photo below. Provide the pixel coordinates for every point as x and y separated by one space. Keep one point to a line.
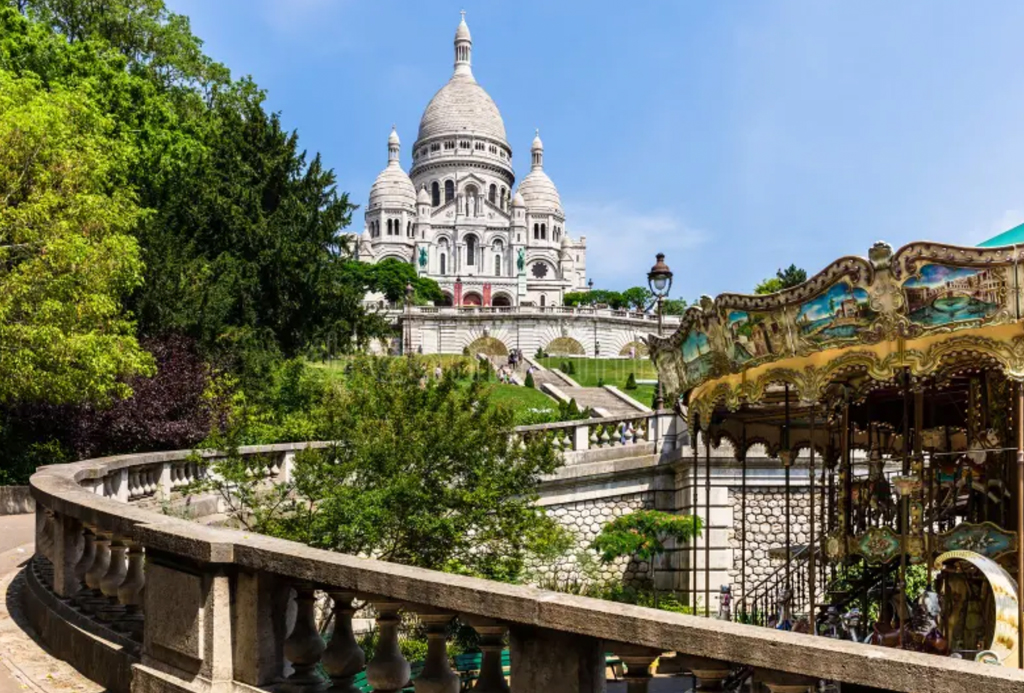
925 311
1014 235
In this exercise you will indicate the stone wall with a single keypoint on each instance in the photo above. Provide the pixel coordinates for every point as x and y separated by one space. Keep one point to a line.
581 565
766 530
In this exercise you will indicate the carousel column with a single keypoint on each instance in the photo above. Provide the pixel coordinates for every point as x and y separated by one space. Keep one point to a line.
343 659
707 524
492 636
1020 518
743 520
811 539
693 512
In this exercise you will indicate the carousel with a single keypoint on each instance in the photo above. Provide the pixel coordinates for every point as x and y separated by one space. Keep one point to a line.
892 386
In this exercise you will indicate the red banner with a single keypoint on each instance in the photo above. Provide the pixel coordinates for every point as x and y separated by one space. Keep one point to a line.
487 294
457 295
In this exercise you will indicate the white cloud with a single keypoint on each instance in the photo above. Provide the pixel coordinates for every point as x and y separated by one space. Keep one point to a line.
622 241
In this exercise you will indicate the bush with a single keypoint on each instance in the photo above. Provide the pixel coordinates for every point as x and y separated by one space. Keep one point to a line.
465 351
529 381
539 354
600 381
631 382
571 367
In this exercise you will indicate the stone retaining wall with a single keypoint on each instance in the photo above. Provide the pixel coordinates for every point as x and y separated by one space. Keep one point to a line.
766 530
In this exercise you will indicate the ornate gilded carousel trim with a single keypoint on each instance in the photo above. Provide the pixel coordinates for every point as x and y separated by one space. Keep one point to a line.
986 539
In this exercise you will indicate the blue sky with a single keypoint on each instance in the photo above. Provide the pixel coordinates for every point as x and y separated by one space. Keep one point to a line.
735 136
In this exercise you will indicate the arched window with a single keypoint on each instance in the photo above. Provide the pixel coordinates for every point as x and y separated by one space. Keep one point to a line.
503 197
536 232
444 268
389 227
492 194
471 250
449 191
408 229
543 232
497 265
435 193
543 300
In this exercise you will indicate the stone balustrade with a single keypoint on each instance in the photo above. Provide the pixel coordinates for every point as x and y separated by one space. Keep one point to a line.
599 433
154 603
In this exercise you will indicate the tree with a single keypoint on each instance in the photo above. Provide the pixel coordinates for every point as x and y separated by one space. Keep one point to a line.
783 279
529 381
674 306
638 298
391 277
631 382
421 471
641 535
67 260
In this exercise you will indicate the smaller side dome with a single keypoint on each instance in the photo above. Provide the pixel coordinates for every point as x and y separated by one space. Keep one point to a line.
537 143
565 241
517 200
393 188
423 197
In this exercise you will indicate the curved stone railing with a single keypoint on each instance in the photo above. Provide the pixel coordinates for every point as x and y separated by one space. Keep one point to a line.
128 593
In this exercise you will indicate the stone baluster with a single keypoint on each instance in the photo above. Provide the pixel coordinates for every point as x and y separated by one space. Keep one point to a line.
343 659
129 594
94 575
595 438
710 673
111 581
785 682
492 635
605 438
437 675
303 647
638 661
88 554
388 671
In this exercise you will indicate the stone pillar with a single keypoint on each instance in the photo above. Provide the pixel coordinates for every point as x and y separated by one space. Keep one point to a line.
550 661
68 546
94 575
129 594
437 675
165 483
388 671
710 673
304 646
262 606
88 555
343 659
492 675
121 485
581 438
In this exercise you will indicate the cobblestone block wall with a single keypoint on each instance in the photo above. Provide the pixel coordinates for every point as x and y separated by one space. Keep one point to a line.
581 566
766 530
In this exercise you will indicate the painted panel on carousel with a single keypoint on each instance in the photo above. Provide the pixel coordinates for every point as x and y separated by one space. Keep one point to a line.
698 358
754 336
839 314
945 295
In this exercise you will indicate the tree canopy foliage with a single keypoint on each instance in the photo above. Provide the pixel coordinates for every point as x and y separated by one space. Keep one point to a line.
421 471
783 279
147 195
635 298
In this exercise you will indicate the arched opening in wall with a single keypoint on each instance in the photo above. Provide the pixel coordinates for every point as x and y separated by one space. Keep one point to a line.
489 346
543 300
536 232
565 346
446 299
492 194
501 300
497 265
449 191
638 349
444 264
435 193
472 298
389 227
472 200
408 229
503 197
543 232
471 251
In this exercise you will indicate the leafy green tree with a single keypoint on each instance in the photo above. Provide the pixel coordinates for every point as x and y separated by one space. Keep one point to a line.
391 277
641 535
637 297
631 382
674 306
67 260
783 279
421 471
529 381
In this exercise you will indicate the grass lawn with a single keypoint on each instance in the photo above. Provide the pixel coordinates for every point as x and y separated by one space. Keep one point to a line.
590 372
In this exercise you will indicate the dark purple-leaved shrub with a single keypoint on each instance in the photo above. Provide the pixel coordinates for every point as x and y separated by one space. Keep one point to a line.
165 412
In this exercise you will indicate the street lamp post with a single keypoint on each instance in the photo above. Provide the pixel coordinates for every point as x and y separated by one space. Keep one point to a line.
660 281
409 291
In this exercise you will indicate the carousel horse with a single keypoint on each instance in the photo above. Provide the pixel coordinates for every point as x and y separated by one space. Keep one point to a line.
873 493
920 632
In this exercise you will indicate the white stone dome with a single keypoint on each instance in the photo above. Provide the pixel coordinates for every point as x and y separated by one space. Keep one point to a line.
518 201
462 107
393 187
539 193
423 197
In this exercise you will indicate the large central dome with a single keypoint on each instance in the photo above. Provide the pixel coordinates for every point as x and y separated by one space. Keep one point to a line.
462 106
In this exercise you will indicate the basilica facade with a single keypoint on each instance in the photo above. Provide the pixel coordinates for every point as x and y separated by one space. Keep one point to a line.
455 216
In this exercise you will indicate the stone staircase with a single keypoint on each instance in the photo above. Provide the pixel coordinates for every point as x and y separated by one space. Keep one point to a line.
601 400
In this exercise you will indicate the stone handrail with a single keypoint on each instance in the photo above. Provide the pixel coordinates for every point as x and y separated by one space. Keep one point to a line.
584 311
207 609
